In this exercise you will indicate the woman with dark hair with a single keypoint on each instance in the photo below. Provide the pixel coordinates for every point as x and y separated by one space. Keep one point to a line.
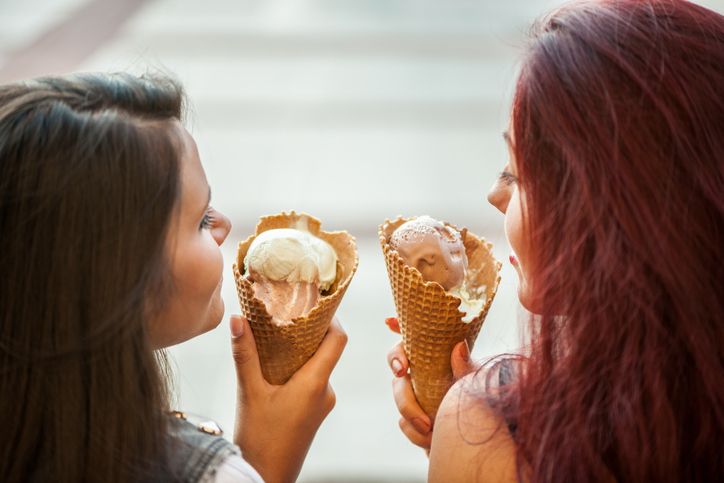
109 252
614 207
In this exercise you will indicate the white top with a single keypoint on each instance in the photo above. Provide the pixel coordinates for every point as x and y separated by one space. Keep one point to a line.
233 470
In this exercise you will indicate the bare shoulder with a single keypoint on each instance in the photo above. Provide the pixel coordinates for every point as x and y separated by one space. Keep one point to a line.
469 442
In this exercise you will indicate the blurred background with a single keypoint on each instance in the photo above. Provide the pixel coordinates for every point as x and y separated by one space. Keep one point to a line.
351 110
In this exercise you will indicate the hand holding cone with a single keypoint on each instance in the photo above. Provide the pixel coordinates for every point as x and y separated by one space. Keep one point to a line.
430 321
285 348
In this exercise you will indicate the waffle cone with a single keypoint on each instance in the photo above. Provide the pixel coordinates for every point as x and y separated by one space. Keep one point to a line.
430 322
284 349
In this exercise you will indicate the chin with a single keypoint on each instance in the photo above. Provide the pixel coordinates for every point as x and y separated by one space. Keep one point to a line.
216 315
525 302
525 297
528 301
522 296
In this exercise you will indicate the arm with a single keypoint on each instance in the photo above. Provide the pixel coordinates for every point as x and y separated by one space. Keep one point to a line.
275 425
470 443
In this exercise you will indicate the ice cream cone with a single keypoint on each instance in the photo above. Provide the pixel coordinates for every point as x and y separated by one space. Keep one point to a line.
430 322
285 348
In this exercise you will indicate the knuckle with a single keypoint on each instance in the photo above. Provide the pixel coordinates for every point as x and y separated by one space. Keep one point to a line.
413 436
330 400
339 338
240 356
398 390
317 386
395 383
343 337
406 409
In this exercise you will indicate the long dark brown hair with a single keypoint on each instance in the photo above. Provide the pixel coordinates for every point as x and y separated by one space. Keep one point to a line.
618 120
89 178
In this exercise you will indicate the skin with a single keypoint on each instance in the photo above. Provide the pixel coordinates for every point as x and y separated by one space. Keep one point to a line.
469 442
275 425
196 233
463 418
507 197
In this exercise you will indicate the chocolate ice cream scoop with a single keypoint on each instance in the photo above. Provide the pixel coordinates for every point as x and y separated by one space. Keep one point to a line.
435 249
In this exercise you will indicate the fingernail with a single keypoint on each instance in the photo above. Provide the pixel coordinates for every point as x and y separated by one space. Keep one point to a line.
421 425
465 350
391 321
237 326
397 367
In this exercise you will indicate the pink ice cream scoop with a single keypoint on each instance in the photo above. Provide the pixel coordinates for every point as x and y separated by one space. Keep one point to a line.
435 249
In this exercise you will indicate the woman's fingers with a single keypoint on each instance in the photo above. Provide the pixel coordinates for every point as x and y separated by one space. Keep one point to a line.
397 360
246 358
330 350
393 324
408 406
415 424
417 438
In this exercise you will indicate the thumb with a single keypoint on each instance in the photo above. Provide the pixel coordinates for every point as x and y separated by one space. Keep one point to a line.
460 360
243 349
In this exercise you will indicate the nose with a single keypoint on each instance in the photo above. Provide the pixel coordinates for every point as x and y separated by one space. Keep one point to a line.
221 229
499 196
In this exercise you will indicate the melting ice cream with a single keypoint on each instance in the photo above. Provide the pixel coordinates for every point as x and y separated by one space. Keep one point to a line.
289 268
437 251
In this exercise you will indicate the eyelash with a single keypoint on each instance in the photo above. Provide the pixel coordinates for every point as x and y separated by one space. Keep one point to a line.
207 221
507 178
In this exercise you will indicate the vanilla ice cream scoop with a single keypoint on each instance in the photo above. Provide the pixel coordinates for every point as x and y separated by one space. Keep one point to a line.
291 255
435 249
289 267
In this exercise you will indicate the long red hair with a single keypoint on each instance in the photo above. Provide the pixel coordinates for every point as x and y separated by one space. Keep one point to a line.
618 119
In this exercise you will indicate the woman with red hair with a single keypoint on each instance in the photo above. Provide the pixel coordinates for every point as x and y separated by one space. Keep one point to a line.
614 207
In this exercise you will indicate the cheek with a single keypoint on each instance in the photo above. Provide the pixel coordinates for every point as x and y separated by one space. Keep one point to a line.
514 231
203 267
197 273
195 304
514 225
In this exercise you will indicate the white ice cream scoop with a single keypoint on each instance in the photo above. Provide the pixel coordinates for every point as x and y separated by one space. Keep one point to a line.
291 255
